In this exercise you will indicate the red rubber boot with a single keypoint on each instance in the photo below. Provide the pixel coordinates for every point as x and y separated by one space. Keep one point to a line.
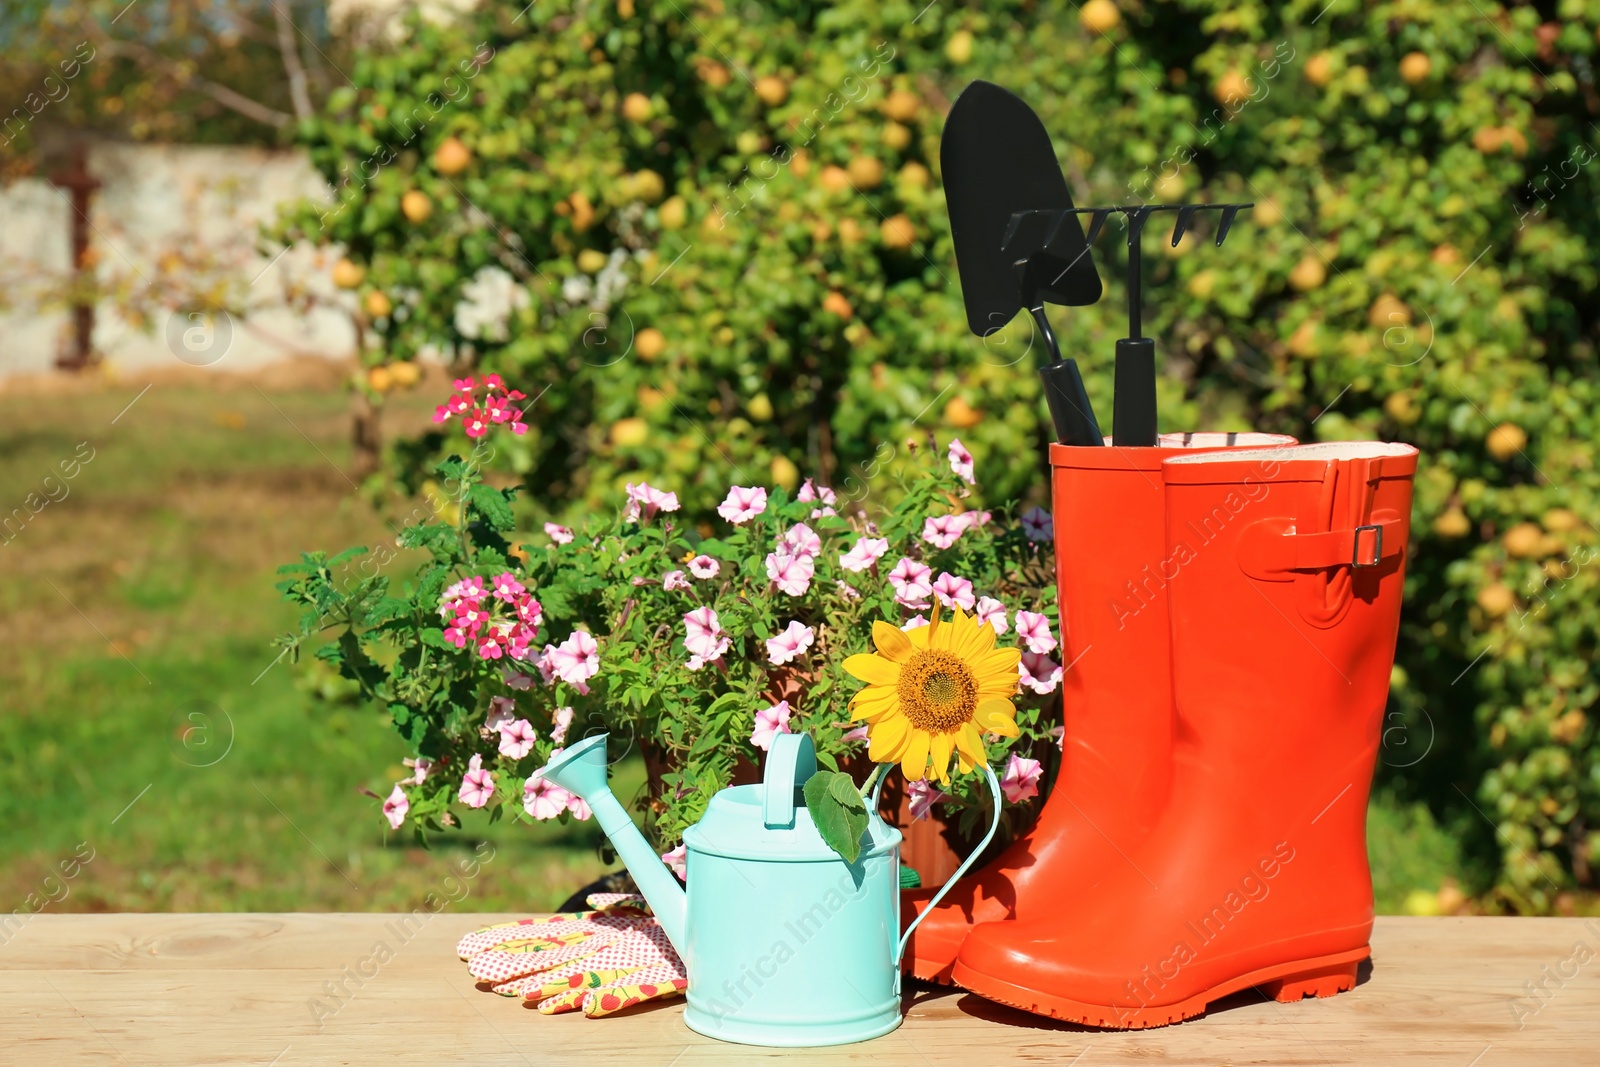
1117 696
1288 567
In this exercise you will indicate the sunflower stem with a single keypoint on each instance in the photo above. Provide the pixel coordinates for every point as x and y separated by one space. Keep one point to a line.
877 772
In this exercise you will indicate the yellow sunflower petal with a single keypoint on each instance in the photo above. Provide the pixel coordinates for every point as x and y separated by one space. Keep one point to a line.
976 639
873 703
891 641
888 738
918 636
936 637
914 757
996 661
997 716
940 749
873 669
969 747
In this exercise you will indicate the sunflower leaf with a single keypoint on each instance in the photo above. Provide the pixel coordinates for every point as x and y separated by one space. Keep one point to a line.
837 810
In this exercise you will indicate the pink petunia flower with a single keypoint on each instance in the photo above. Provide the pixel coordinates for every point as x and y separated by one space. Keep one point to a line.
515 679
575 660
501 711
395 808
1037 525
1033 630
810 493
559 534
788 645
419 770
1021 779
915 622
858 734
770 722
912 583
477 785
517 738
578 806
791 573
961 460
993 612
864 553
954 592
801 540
743 504
942 531
644 501
542 799
704 633
703 567
923 797
673 581
562 720
848 591
678 860
1039 673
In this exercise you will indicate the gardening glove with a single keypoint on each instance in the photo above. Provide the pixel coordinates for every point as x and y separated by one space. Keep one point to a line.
600 961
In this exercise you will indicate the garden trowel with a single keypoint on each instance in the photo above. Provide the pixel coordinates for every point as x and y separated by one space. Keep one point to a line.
997 161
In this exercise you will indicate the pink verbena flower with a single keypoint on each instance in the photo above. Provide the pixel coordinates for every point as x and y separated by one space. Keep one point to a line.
1039 673
864 553
743 503
678 860
801 540
791 573
1037 525
788 645
1033 630
912 583
770 722
704 566
575 660
954 592
559 534
993 612
506 587
961 460
517 738
395 807
477 785
942 531
1021 779
673 581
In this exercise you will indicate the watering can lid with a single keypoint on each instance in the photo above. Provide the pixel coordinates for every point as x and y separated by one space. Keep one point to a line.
770 820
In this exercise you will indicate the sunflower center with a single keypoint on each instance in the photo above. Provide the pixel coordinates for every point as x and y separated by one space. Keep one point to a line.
937 691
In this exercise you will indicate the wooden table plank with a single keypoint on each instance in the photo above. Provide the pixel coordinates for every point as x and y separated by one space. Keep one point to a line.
180 990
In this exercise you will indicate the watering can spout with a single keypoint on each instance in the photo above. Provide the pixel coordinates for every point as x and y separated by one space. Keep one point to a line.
581 770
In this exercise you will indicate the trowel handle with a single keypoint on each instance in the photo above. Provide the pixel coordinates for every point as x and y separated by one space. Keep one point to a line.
791 761
994 824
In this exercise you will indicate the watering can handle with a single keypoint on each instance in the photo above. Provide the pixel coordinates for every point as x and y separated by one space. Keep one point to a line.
994 824
791 761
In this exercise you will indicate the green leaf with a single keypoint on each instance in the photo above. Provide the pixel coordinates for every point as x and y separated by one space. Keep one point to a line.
494 505
838 812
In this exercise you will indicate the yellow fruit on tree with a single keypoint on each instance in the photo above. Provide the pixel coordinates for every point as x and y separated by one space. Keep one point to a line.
896 136
962 415
416 206
1202 285
649 186
1267 212
405 374
650 343
1452 523
377 304
1169 187
772 90
1524 540
836 304
900 105
636 107
348 275
629 433
866 172
1231 88
760 407
1421 902
958 49
1308 273
1513 137
379 380
1387 311
1445 255
451 157
1099 16
1450 898
1488 140
834 179
1415 67
1560 520
784 472
1303 342
674 213
1319 69
1496 599
915 176
897 232
850 231
1402 407
713 74
1505 441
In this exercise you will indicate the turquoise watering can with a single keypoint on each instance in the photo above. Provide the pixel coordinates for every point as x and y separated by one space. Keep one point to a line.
785 943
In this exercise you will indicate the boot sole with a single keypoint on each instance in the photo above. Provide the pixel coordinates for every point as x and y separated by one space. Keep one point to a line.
1321 976
933 972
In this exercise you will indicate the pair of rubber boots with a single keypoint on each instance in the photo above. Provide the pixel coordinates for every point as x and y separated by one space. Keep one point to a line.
1229 609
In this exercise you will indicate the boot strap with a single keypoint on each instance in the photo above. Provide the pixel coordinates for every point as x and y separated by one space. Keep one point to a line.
1271 549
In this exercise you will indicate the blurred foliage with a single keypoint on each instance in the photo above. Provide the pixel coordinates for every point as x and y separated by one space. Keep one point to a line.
713 234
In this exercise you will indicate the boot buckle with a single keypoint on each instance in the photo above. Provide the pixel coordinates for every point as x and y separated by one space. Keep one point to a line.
1377 547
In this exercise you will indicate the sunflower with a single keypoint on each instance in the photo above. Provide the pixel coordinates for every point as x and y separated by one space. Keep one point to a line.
934 692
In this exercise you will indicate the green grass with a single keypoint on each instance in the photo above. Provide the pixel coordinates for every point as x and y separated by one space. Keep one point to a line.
144 598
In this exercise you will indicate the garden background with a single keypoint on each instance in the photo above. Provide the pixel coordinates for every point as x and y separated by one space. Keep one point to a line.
710 238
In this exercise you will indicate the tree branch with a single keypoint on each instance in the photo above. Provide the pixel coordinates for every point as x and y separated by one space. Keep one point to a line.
223 95
290 50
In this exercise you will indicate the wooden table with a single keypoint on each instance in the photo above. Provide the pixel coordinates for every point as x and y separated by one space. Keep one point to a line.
174 990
